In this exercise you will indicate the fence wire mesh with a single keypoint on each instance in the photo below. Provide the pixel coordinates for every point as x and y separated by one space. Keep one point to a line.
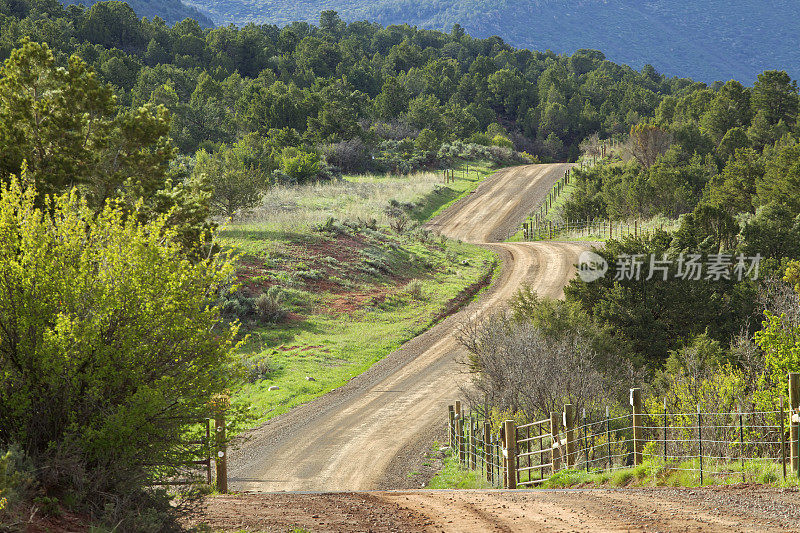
717 447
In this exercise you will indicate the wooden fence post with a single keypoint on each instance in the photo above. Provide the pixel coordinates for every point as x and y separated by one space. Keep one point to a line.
451 417
209 476
665 430
497 469
700 440
460 436
222 454
511 451
471 453
608 438
636 404
741 439
487 449
569 424
794 401
585 438
556 451
783 439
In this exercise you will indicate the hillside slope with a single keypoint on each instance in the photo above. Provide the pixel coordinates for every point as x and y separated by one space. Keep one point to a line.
171 11
707 40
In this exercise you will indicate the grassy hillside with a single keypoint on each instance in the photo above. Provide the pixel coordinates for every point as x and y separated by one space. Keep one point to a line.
708 41
171 11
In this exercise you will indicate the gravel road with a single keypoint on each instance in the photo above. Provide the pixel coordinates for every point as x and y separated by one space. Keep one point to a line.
743 508
362 435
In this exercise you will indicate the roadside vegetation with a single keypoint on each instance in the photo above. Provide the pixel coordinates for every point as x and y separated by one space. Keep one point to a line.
651 473
453 475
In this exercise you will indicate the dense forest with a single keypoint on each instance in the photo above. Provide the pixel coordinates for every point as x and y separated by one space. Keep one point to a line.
122 137
706 41
309 101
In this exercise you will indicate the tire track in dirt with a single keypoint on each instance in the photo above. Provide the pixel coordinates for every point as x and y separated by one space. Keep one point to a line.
349 439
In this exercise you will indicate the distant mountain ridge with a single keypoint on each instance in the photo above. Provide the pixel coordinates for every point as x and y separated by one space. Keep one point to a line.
707 40
171 11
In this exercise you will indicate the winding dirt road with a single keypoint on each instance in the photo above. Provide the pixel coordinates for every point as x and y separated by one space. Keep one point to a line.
364 435
352 437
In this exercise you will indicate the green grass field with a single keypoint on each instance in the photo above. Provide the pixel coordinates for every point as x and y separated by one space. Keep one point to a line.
355 291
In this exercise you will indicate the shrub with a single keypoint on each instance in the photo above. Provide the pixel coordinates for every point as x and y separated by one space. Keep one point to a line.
301 166
234 305
427 141
399 223
350 156
270 305
414 289
395 131
258 370
235 176
502 141
108 347
557 339
480 138
17 483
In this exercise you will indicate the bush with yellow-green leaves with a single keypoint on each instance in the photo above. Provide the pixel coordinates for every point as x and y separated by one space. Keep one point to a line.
109 348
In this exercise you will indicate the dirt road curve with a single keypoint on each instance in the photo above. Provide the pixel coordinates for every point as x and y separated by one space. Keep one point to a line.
356 437
742 509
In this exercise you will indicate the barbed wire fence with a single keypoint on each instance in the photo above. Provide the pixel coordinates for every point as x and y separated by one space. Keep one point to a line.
708 447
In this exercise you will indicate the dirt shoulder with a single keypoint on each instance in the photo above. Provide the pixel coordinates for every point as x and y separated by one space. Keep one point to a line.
744 508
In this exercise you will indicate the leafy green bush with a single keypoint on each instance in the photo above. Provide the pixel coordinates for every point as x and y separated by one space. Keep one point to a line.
108 348
301 166
17 483
502 141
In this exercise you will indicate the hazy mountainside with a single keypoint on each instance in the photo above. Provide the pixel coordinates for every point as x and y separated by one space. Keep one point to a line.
707 40
171 11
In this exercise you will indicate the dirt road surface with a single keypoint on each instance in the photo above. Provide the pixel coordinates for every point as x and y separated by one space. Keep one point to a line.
733 508
367 434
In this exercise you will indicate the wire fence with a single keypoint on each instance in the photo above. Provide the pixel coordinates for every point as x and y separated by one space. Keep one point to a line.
205 458
709 447
538 229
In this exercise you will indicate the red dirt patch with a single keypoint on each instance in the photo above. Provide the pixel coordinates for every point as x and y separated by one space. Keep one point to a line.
347 302
307 348
345 252
344 249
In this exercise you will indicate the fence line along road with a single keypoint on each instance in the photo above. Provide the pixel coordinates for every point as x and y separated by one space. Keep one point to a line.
715 447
